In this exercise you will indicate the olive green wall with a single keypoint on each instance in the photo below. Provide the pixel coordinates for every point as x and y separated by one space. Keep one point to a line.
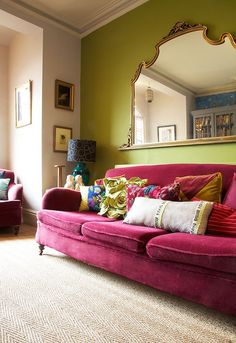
110 57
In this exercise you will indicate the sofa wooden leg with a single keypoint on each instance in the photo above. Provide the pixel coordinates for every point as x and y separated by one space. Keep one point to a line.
41 249
16 230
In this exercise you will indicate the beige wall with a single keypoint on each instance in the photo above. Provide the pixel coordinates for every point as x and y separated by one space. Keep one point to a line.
171 110
31 151
61 61
25 63
4 162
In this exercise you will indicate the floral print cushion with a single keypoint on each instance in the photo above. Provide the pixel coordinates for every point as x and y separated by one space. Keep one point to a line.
91 197
113 204
170 192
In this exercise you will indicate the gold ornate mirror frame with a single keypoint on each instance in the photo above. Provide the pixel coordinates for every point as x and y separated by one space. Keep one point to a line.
179 29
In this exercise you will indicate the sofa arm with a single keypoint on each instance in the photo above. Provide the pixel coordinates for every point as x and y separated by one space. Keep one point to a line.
61 199
15 192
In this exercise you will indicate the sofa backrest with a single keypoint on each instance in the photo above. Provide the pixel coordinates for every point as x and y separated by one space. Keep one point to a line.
163 174
8 175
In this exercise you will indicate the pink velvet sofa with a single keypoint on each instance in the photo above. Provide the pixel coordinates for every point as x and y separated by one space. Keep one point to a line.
11 209
198 268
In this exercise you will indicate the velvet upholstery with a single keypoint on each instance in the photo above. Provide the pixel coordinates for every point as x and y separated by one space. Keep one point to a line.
10 209
69 221
230 197
208 287
165 174
197 268
217 253
62 199
129 237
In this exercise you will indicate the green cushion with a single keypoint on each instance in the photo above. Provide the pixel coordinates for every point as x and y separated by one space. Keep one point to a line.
113 204
4 188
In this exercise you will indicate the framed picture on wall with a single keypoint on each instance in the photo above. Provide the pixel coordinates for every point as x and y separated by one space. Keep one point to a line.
23 104
166 133
61 136
64 95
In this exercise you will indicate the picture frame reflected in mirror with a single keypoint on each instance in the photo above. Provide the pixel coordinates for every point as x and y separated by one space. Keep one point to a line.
166 133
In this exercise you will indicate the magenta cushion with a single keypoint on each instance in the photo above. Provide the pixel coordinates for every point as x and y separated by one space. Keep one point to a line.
129 237
230 197
170 192
212 252
222 221
69 221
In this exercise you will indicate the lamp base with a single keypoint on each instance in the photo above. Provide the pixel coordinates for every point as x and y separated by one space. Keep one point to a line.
81 169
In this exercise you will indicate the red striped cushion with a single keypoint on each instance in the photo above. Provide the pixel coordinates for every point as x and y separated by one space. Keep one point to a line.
222 220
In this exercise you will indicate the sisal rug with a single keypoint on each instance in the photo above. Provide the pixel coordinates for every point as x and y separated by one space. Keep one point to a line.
55 299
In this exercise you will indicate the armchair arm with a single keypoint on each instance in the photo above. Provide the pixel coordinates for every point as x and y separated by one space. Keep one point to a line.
15 192
61 199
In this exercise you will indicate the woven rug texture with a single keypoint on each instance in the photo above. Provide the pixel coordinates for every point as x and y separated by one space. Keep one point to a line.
55 299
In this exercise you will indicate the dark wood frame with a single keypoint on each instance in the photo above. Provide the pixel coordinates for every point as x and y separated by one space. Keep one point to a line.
55 133
60 103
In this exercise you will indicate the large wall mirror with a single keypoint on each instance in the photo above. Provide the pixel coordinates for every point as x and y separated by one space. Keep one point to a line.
187 94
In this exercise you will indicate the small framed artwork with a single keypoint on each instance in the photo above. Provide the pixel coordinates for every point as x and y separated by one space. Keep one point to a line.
64 95
61 136
166 133
23 104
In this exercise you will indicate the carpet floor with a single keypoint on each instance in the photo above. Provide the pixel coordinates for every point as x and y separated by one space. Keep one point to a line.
55 299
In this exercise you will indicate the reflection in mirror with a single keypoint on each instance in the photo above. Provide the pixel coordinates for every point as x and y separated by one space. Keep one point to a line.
188 90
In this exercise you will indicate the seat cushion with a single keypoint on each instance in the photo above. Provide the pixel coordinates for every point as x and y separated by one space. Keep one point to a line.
119 234
213 252
68 221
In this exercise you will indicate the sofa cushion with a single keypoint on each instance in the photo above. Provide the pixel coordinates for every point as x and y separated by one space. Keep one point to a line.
212 252
91 197
205 187
113 204
184 216
129 237
222 221
69 221
2 174
4 183
8 174
169 192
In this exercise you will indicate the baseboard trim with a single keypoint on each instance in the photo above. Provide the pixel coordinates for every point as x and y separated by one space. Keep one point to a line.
29 216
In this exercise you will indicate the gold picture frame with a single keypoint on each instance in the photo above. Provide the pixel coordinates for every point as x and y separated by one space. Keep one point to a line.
61 136
64 95
23 104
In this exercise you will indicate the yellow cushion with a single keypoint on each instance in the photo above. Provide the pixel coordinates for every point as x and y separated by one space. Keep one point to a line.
204 187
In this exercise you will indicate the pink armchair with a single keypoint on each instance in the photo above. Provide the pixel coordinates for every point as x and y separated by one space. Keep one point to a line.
10 209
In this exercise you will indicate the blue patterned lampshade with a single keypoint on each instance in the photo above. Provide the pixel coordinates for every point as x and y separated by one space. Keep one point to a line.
81 151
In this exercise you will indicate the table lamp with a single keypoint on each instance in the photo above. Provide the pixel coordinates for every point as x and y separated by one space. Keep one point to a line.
81 151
